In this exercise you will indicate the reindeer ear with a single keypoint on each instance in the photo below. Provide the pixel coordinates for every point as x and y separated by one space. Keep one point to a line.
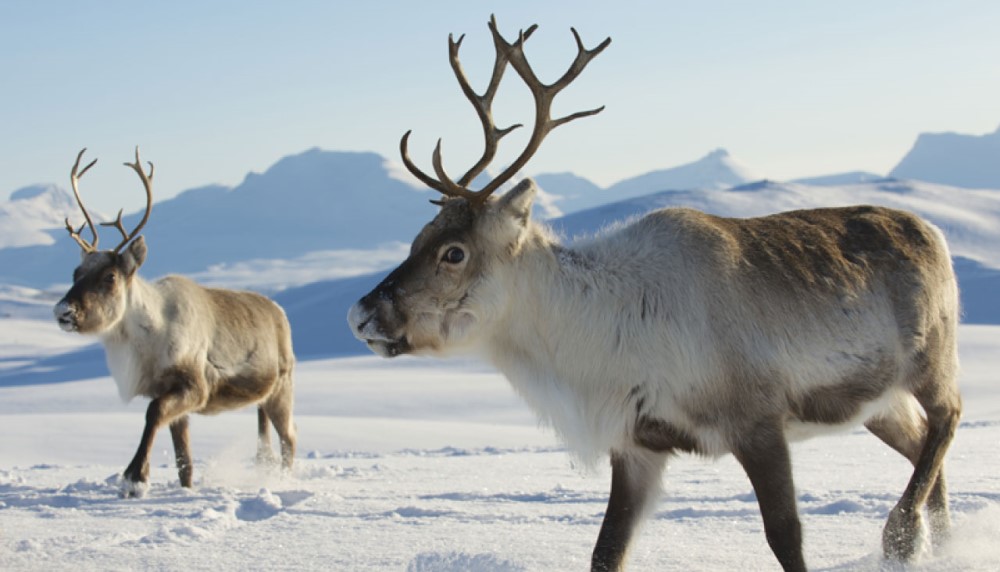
517 201
134 256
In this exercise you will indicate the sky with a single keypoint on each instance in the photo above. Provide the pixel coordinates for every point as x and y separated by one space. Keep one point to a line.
214 90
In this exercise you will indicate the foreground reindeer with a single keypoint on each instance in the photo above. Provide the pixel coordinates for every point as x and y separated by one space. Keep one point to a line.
188 348
684 331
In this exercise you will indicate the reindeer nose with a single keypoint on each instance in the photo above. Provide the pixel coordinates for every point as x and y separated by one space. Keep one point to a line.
65 315
359 317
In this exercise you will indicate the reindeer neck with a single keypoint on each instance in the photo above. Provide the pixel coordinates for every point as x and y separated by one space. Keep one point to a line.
143 312
555 289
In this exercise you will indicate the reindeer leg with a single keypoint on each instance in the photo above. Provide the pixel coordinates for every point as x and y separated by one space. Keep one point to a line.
763 452
182 450
265 456
900 537
635 480
136 475
279 409
903 429
188 393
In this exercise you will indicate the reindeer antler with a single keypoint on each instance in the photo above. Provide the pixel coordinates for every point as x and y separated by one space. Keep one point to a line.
74 179
542 93
147 183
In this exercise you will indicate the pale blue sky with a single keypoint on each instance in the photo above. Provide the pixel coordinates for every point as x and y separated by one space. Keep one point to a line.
211 90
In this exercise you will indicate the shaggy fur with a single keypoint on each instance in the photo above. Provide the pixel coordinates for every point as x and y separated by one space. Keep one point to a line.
188 348
683 331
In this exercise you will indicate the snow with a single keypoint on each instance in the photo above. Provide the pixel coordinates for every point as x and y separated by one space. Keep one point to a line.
426 465
34 214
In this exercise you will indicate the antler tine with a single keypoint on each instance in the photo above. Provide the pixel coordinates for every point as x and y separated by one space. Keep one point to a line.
483 104
147 183
543 94
74 179
455 189
117 223
451 190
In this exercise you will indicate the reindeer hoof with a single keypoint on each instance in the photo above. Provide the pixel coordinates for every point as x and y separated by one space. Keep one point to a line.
133 489
903 536
265 459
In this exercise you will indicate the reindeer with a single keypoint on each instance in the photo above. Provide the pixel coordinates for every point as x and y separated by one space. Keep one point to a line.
188 348
686 332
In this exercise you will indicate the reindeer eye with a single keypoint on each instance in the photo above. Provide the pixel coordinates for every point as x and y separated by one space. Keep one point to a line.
453 255
109 278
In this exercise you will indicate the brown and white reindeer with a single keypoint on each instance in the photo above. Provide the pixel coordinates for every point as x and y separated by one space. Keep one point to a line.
189 348
687 332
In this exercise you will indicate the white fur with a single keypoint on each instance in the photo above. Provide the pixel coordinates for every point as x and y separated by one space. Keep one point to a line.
560 325
686 332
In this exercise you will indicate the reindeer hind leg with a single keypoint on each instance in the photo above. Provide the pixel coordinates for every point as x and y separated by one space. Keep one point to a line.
279 409
182 450
265 455
938 394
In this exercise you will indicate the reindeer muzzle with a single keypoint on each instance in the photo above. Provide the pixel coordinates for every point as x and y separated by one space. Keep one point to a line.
366 326
65 314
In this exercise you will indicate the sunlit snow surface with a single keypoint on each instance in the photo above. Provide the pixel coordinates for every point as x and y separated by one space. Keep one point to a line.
426 466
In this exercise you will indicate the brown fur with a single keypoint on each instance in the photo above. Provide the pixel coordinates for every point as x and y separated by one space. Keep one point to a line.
188 348
688 332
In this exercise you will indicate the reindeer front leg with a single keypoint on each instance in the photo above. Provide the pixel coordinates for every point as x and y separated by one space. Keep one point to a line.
187 394
635 480
763 452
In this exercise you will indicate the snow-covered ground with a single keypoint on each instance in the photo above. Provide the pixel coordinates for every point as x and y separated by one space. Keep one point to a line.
425 465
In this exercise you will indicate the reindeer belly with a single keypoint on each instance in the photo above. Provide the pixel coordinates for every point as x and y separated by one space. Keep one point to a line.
846 418
864 386
239 389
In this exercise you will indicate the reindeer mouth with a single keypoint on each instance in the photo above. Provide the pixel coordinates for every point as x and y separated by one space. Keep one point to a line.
367 328
67 324
65 317
389 348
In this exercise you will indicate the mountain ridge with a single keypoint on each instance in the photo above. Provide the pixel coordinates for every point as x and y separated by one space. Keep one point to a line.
956 159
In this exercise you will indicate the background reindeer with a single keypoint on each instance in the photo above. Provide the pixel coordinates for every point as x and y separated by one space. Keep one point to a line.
188 348
684 331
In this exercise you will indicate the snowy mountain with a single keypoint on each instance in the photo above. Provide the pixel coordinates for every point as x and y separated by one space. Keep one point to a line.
35 214
570 192
970 161
849 178
972 226
313 201
717 170
422 465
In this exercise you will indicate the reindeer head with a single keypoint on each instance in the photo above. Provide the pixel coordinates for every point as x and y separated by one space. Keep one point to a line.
454 282
98 297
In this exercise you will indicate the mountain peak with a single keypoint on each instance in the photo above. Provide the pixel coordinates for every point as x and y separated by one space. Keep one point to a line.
716 170
34 210
52 192
716 154
954 159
